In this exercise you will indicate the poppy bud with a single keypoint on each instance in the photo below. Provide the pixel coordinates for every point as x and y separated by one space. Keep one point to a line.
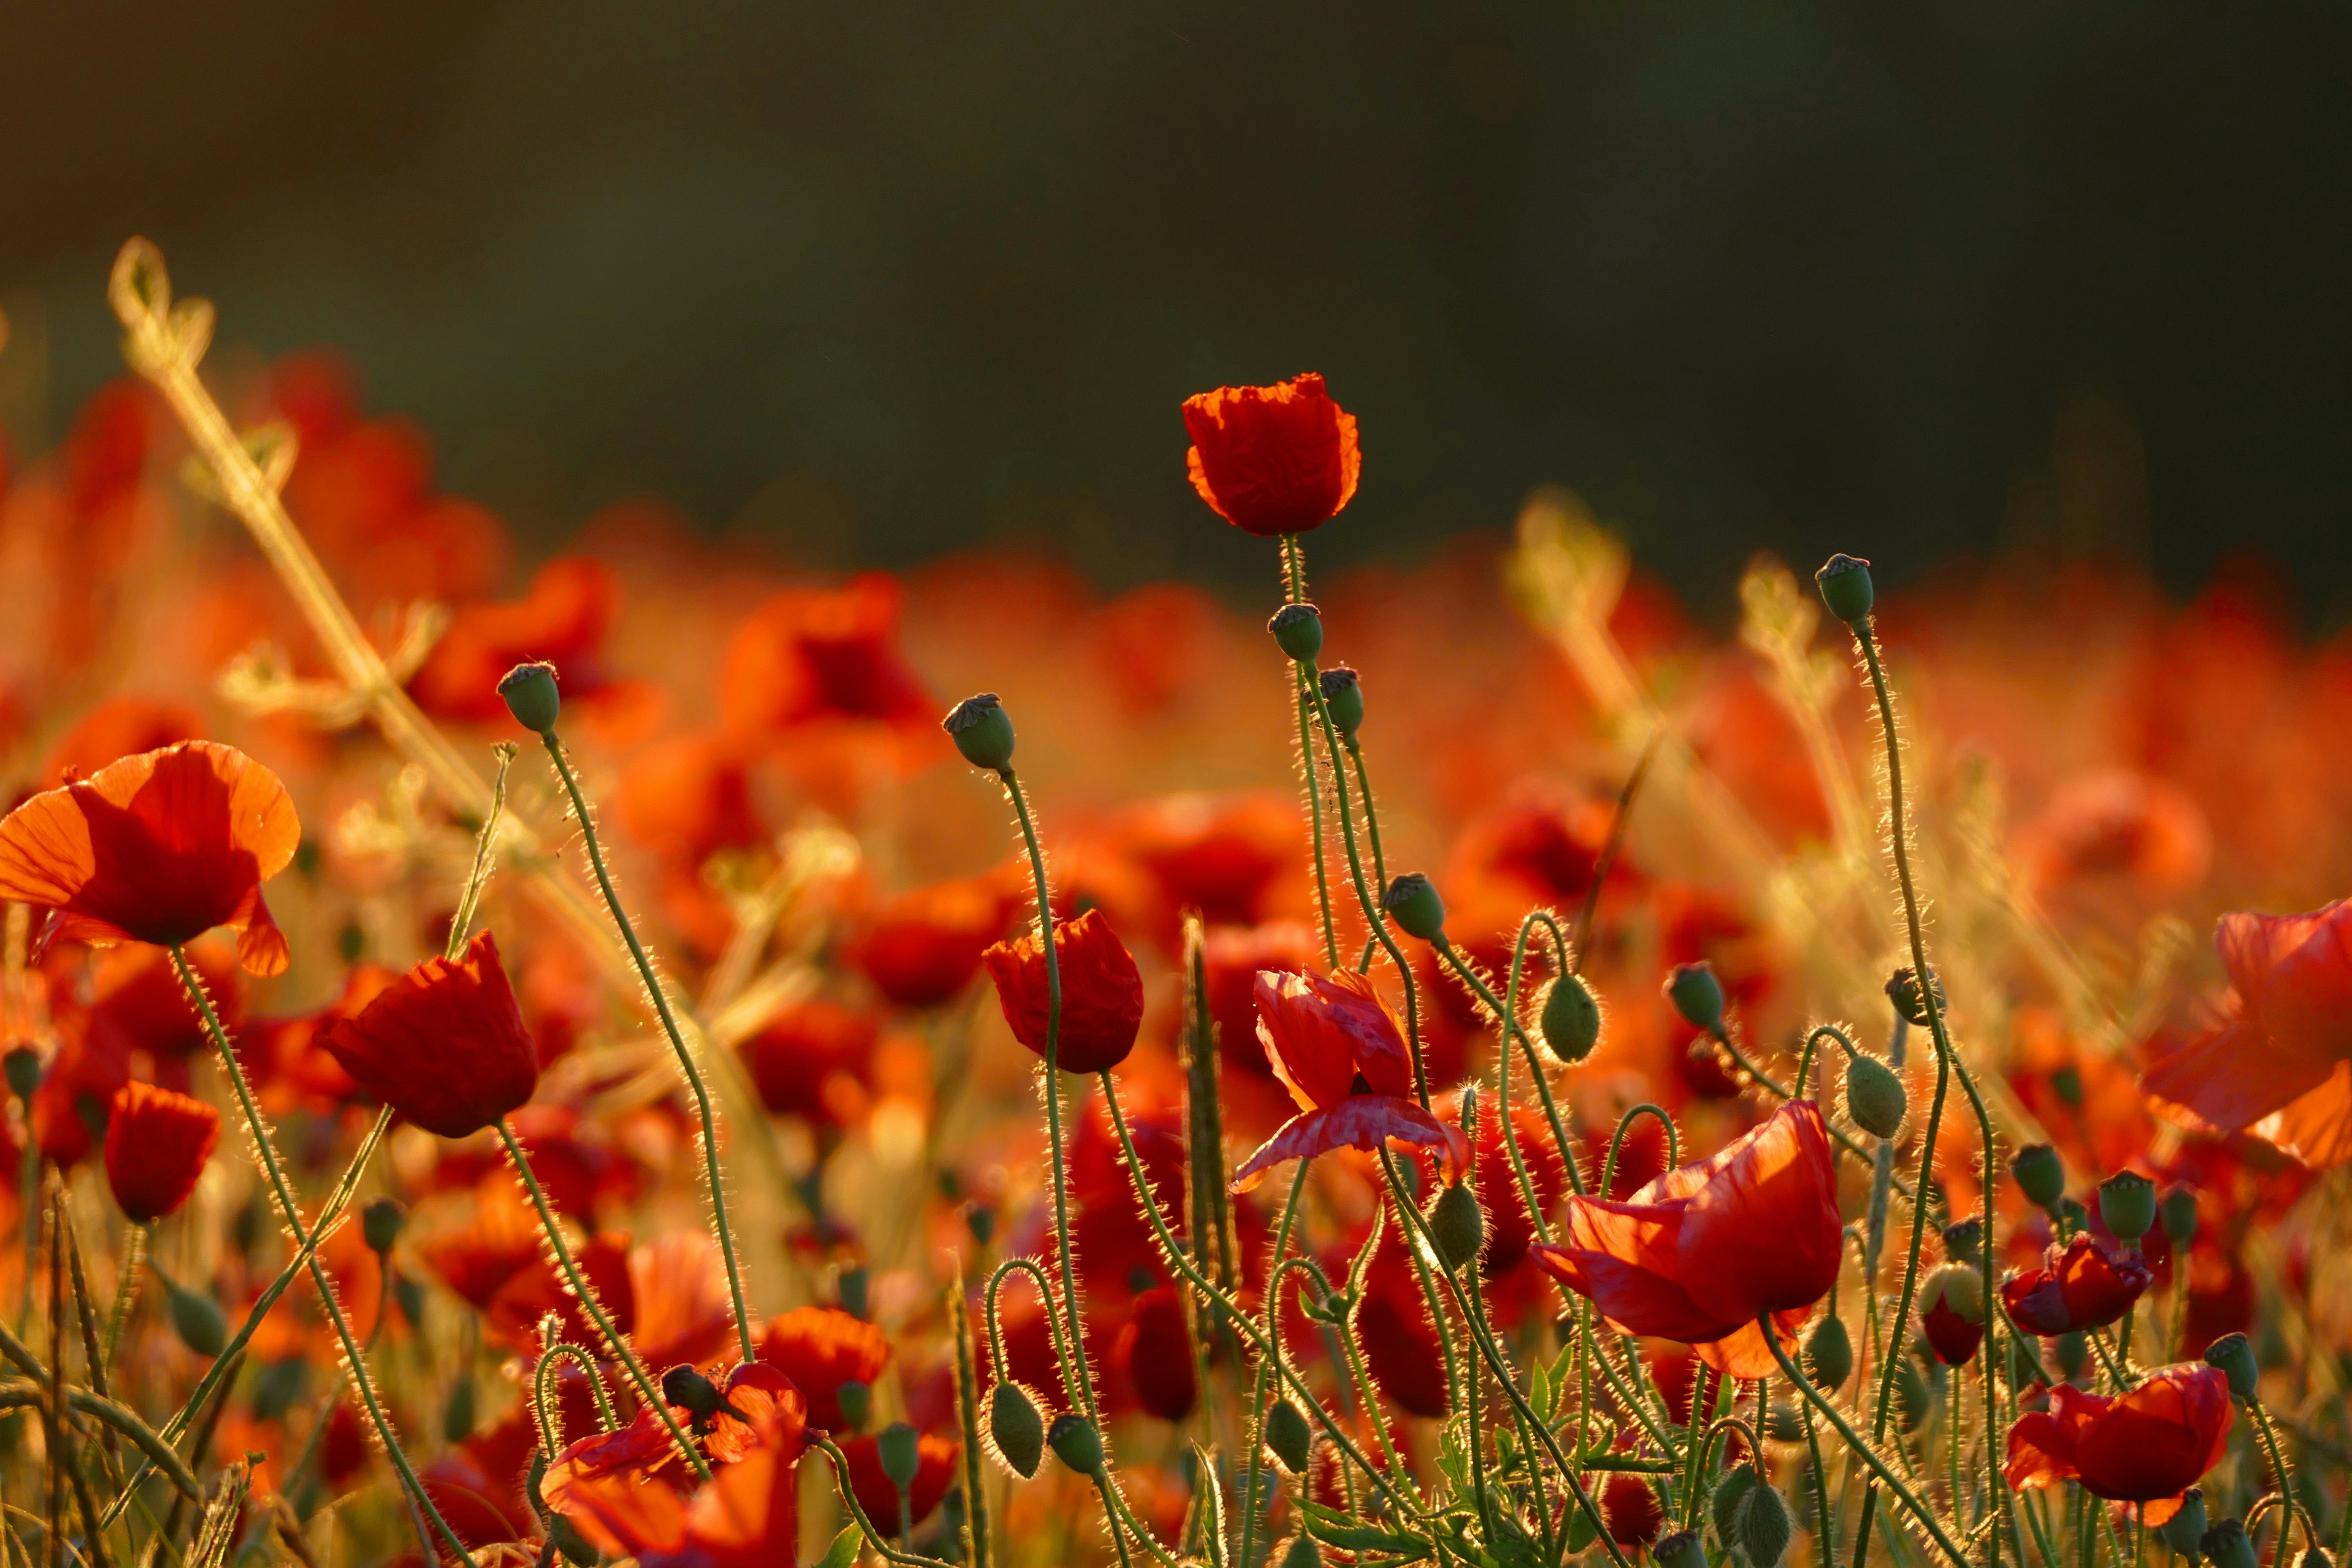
1287 1434
381 1221
276 1388
2316 1557
2074 1349
24 1069
2178 1212
1875 1096
900 1451
2186 1527
1077 1444
1831 1351
2234 1354
1303 1552
1761 1528
1958 1285
1414 905
1698 995
1844 583
1682 1549
1016 1430
1903 990
531 696
2226 1546
685 1386
849 1286
1729 1493
982 731
195 1318
2067 1083
856 1400
980 1220
1964 1240
1783 1424
1572 1019
2040 1173
1911 1396
1298 630
458 1415
2128 1205
577 1548
410 1294
1343 694
1457 1226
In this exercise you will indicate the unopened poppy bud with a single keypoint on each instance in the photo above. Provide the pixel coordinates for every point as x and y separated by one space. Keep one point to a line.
1413 902
1911 1396
980 1220
381 1221
982 731
850 1285
1572 1019
1298 630
1288 1436
1958 1285
531 696
2067 1084
2178 1212
2074 1351
1077 1444
1903 990
1682 1549
1698 995
1874 1098
1964 1241
24 1069
1016 1430
458 1415
900 1451
2186 1527
686 1387
1303 1552
1783 1424
1343 694
577 1548
1457 1226
2316 1557
1729 1493
1844 583
1831 1351
1762 1527
2226 1546
2234 1354
196 1317
2128 1205
276 1388
855 1400
2040 1173
410 1294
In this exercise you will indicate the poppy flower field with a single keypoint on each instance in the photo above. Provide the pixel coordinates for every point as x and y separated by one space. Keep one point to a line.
661 1057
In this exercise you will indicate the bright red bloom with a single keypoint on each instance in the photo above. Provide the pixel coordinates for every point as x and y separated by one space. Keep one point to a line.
1705 1250
935 1472
563 620
444 1045
1337 1049
1102 994
1630 1509
687 797
2086 1284
2279 1064
156 1146
159 847
924 947
805 1056
1224 855
821 1348
812 655
2147 1446
1155 1349
1272 459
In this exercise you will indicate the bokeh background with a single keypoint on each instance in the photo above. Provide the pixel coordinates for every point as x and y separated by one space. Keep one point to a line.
1937 281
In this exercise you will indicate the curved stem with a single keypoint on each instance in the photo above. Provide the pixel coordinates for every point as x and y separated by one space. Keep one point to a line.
1617 1142
1273 1337
1512 1029
875 1539
544 1379
1044 1283
1371 815
1805 1056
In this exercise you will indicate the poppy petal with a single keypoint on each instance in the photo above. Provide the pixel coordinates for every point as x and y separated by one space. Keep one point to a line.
1362 1121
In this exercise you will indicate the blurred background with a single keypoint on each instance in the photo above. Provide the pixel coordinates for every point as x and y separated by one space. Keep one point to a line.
1930 282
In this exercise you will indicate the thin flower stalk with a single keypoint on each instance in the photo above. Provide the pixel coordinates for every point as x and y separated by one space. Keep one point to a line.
1294 587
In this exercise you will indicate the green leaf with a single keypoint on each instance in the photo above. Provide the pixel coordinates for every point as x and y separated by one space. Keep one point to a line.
843 1550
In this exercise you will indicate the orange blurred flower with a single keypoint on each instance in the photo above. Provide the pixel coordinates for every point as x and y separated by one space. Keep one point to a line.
821 1348
117 728
563 620
1272 459
1225 856
1102 994
813 1060
2147 1446
924 947
156 1146
444 1045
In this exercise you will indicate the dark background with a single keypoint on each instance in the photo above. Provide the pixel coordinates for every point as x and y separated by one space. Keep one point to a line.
1968 279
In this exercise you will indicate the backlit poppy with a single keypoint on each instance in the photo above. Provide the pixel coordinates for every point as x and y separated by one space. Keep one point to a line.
563 619
1705 1250
1102 994
810 655
159 848
1272 459
821 1348
2145 1446
444 1045
935 1472
804 1056
137 990
2086 1284
1154 1350
156 1146
924 946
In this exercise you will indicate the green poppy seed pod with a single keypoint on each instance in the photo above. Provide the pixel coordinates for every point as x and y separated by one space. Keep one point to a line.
982 731
1343 694
1783 1424
1457 1226
458 1415
1016 1429
1911 1397
1844 583
1298 630
1698 995
2234 1354
856 1401
2074 1349
410 1294
2186 1527
1875 1100
1570 1019
1762 1527
1077 1444
1302 1552
2226 1546
577 1548
2128 1205
1729 1493
2071 1215
195 1318
1958 1285
1964 1240
1830 1352
382 1221
1903 990
1288 1436
901 1453
1413 902
531 696
2316 1557
2178 1213
2040 1173
1682 1549
24 1069
686 1387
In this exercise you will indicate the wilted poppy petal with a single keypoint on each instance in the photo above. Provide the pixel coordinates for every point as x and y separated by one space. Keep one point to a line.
1365 1122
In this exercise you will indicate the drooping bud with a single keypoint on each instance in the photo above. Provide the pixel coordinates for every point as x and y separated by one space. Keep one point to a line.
1903 990
1729 1493
2316 1557
1077 1444
1016 1429
1952 1312
1457 1225
1911 1397
1343 694
2186 1527
684 1387
1783 1424
382 1221
1413 902
410 1294
2073 1351
23 1066
1288 1436
577 1548
2040 1173
2128 1205
1298 630
1698 995
982 731
1875 1100
2178 1212
1570 1019
2226 1546
1682 1549
1964 1240
1762 1527
531 696
856 1401
1844 583
2234 1354
901 1453
1302 1552
196 1317
457 1414
1830 1352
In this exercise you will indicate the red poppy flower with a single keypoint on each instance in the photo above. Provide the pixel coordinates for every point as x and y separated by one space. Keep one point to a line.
156 1146
77 1094
283 1057
687 797
2146 1445
2279 1063
1231 957
563 620
579 1169
1337 1049
821 1348
2086 1284
810 655
532 1290
159 848
1102 994
444 1045
1631 1510
935 1472
118 727
1391 1323
499 1240
1224 855
1118 1255
1154 1348
806 1055
925 946
1272 459
1954 1337
138 991
1705 1250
